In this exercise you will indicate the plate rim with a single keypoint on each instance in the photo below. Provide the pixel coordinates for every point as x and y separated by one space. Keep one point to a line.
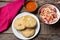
37 19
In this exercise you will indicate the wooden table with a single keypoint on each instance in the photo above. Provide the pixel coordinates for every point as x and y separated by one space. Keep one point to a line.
47 32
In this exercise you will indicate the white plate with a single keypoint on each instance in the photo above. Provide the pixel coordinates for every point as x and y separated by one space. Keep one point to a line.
18 34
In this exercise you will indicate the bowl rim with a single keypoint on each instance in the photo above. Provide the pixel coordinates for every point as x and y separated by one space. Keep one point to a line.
58 15
31 1
37 29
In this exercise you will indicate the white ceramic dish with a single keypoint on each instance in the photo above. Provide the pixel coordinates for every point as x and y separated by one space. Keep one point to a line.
18 34
58 13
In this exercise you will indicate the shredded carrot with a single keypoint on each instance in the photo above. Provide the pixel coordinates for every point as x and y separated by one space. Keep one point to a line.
31 6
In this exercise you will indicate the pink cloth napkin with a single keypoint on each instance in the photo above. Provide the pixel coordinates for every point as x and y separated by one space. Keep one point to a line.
8 12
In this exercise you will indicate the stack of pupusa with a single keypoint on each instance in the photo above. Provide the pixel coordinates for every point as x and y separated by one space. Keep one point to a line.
26 25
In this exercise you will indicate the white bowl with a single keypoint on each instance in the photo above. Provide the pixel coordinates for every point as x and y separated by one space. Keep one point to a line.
18 34
58 13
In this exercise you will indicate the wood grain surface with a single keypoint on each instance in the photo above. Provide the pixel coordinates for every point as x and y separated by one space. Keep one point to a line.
47 32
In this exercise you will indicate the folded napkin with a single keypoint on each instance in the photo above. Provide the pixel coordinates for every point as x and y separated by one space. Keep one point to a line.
8 12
